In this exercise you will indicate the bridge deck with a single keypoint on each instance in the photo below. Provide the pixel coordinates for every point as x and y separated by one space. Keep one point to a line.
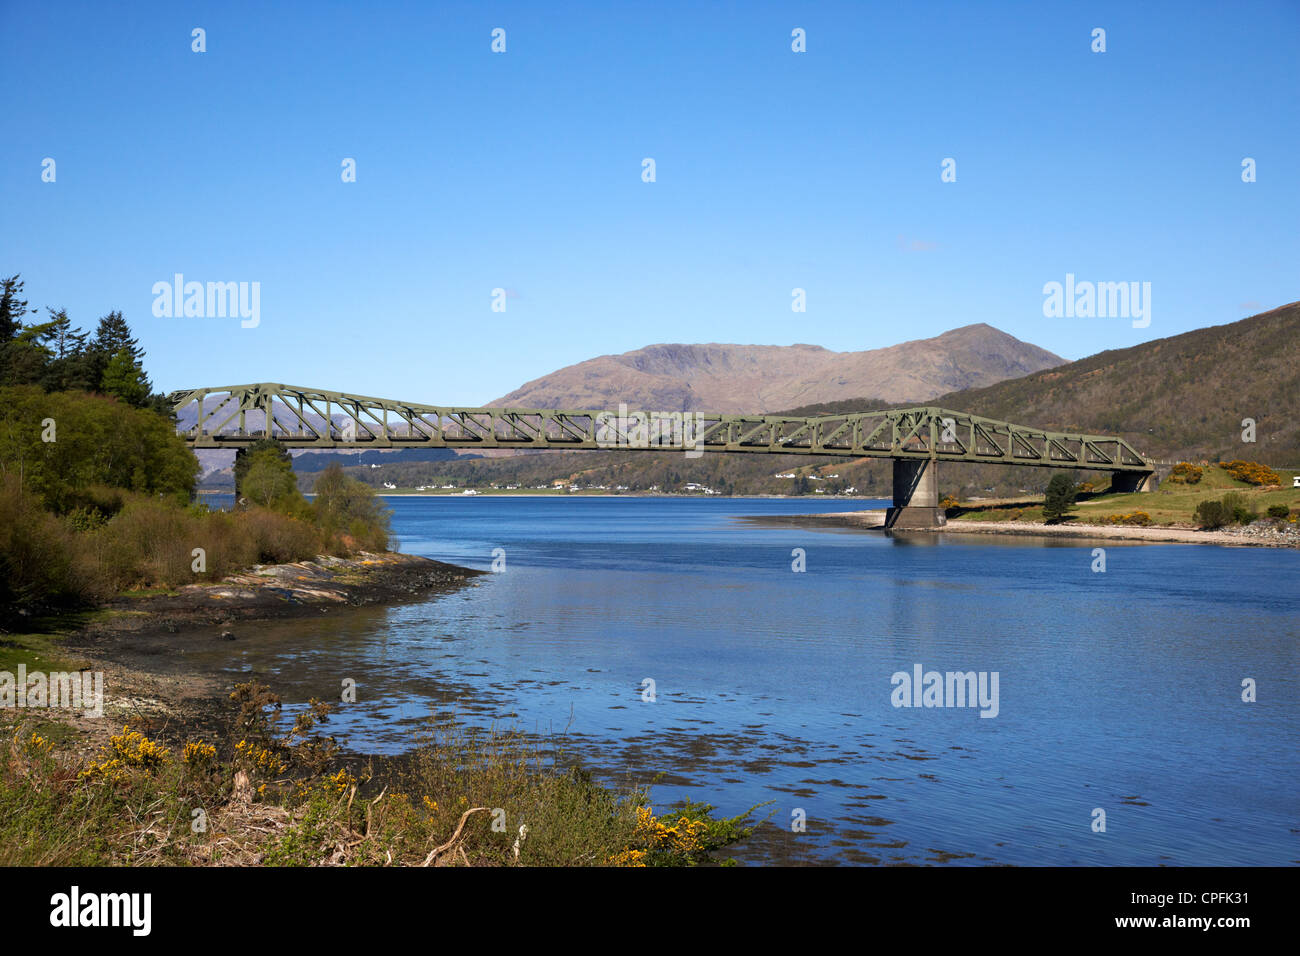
235 415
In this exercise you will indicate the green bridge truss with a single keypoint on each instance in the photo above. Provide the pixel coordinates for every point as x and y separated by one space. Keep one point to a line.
236 415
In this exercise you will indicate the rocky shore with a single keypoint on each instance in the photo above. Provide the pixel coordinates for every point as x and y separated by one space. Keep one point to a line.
1266 534
142 643
267 592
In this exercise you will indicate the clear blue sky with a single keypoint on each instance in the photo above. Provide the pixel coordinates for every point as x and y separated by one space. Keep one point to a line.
522 171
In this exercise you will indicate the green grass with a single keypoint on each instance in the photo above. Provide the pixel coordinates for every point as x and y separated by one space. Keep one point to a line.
1170 504
1176 504
37 643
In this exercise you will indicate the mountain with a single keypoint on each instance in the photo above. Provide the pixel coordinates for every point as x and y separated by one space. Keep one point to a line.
1179 398
764 378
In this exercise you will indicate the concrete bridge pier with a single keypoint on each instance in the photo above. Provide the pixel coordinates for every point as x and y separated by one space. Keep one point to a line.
1129 481
916 495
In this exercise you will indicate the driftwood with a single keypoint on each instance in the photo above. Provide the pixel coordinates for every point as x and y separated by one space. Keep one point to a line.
455 837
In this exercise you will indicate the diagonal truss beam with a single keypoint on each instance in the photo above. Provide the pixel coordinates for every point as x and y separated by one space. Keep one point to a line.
235 415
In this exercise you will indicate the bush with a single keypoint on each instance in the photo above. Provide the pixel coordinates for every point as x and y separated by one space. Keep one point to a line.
1138 519
1279 511
348 511
98 441
1210 515
1251 472
35 568
280 539
1237 509
148 544
1185 473
1232 508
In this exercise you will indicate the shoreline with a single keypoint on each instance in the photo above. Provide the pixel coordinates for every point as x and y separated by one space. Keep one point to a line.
875 520
141 642
273 592
581 494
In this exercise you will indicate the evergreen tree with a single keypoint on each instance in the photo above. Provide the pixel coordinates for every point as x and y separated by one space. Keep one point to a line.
1060 497
125 379
28 354
12 308
66 370
113 335
118 362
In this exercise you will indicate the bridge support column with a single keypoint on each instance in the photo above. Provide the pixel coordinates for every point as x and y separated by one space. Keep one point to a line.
1124 482
916 495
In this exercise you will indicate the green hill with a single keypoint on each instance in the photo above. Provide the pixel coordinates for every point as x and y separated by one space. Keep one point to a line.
1180 398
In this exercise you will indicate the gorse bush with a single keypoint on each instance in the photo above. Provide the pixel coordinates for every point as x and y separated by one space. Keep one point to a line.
1138 519
1185 473
1251 472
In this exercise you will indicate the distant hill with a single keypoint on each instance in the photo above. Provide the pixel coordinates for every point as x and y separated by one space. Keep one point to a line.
765 378
1182 397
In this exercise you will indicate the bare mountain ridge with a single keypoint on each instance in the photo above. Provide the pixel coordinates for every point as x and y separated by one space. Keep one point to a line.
766 378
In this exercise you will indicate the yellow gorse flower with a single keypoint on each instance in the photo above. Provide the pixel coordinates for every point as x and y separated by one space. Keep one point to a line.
129 750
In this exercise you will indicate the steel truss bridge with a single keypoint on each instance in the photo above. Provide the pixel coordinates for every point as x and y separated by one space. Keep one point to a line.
237 415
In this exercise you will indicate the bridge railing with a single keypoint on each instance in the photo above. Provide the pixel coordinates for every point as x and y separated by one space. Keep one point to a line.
231 416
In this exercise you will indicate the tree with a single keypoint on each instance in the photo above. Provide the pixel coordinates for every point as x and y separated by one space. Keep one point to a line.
1059 499
344 505
12 308
125 379
99 442
243 458
27 355
269 482
113 334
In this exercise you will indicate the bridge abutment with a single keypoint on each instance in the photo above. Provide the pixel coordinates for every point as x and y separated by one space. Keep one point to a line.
916 495
1125 482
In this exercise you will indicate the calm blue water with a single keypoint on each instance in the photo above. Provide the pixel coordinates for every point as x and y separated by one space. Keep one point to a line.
1118 690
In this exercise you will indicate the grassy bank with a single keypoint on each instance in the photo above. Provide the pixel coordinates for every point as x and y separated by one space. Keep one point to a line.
1173 504
263 794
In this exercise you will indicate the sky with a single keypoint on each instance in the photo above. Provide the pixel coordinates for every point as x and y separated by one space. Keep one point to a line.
522 171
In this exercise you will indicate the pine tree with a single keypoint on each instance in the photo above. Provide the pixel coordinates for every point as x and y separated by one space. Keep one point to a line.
67 347
124 378
113 335
116 361
1059 499
27 355
12 308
